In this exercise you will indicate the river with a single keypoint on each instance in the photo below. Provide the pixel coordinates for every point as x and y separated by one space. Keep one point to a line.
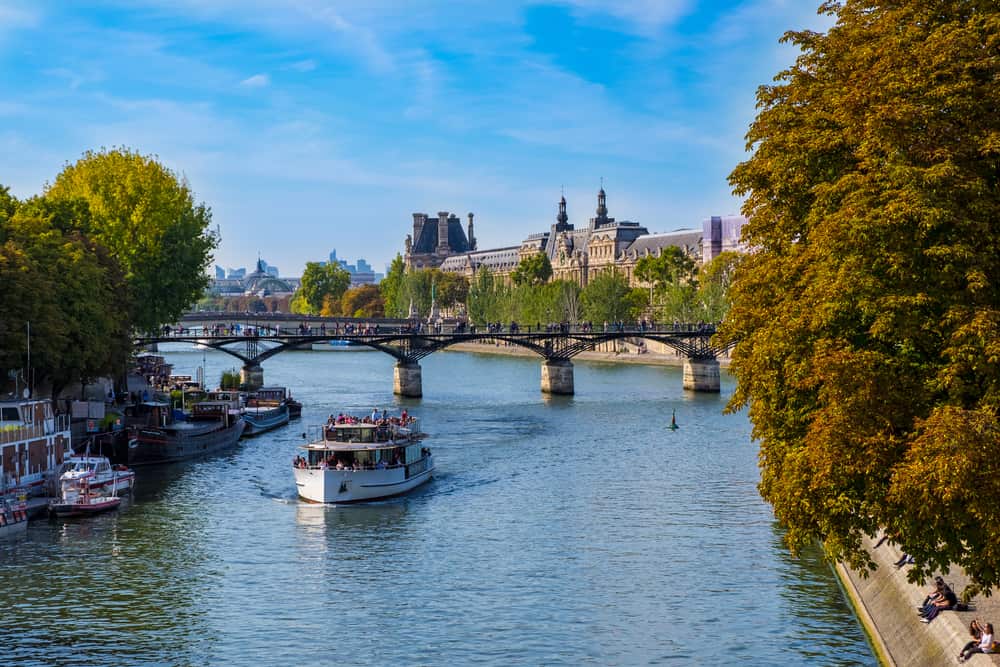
557 531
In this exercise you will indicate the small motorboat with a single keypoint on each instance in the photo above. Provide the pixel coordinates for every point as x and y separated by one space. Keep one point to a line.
103 478
13 516
78 499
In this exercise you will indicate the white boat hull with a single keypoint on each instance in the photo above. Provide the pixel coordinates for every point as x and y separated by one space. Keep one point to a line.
348 486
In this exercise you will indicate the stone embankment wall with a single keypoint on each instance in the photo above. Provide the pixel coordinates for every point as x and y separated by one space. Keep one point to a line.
655 354
886 606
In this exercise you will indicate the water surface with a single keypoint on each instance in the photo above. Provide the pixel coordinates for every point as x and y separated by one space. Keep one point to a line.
558 531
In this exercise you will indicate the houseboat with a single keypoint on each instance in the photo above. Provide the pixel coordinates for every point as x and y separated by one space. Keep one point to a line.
355 460
261 419
271 397
212 427
34 442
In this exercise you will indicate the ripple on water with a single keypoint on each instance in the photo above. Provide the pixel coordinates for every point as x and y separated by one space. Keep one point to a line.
558 532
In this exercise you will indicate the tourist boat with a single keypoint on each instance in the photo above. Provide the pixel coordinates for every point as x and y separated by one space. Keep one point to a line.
13 516
260 419
79 499
34 441
102 477
270 397
212 427
357 461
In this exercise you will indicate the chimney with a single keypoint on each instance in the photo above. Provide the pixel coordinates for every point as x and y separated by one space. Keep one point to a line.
443 248
418 226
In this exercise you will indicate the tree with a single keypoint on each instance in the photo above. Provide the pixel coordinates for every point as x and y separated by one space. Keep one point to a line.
362 301
532 270
319 282
148 220
68 288
867 317
713 286
391 288
488 298
605 298
672 265
451 289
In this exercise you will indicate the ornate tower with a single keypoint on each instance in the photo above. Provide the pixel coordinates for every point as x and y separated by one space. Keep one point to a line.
562 220
472 237
602 209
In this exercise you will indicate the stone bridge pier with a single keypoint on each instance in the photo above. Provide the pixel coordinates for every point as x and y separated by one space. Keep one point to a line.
702 375
252 376
557 377
407 379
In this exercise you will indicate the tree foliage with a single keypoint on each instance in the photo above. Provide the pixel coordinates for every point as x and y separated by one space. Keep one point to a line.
320 281
148 220
391 288
867 316
361 301
532 270
606 298
67 288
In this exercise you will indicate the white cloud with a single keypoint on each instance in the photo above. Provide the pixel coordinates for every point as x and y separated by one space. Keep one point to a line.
645 17
307 65
256 81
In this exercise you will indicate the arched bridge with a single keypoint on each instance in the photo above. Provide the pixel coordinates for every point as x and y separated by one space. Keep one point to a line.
556 345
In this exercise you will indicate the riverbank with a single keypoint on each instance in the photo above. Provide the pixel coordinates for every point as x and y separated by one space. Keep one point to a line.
655 354
886 604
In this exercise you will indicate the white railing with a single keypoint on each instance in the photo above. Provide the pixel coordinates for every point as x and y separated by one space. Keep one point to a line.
19 432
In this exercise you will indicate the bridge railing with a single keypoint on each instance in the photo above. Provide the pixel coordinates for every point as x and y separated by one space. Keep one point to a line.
256 331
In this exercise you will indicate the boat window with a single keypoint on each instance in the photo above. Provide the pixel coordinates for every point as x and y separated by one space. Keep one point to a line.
9 415
413 453
364 458
367 435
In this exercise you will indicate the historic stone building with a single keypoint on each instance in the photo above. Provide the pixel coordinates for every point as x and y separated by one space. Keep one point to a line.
575 254
436 239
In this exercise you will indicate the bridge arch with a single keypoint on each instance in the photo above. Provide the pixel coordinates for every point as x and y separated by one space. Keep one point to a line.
556 348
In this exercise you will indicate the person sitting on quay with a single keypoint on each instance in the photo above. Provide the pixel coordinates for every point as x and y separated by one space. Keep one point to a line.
933 598
934 594
945 601
985 642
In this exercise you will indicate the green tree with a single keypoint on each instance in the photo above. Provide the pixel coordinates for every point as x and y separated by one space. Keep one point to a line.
532 270
148 220
68 288
867 316
451 289
714 280
605 298
320 281
391 288
489 299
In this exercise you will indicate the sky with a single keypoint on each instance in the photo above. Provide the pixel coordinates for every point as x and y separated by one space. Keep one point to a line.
312 125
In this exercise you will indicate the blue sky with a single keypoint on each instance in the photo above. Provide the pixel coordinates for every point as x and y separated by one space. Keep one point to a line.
309 125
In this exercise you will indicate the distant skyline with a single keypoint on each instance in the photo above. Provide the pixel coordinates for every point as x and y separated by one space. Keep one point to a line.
309 124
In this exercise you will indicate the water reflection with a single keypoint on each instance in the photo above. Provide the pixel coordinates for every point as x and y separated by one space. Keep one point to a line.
559 530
